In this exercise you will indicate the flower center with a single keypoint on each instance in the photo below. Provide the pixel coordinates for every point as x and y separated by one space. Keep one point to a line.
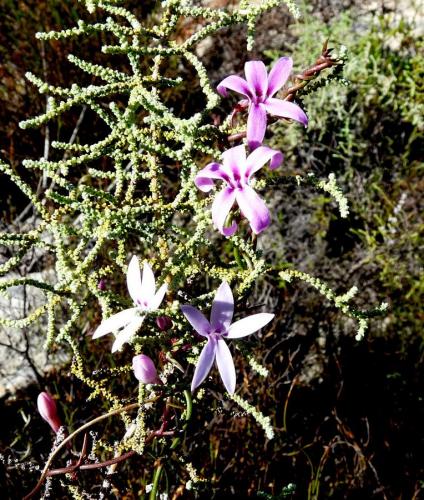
219 332
259 98
237 182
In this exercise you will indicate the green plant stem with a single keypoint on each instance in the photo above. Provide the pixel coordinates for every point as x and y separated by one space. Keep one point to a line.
156 479
188 413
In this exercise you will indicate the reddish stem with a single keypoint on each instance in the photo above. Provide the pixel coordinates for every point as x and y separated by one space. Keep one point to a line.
80 466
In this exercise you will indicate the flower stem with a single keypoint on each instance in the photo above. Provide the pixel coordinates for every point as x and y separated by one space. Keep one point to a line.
156 479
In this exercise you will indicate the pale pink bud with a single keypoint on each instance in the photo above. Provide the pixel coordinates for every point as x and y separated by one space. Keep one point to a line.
144 369
164 323
48 410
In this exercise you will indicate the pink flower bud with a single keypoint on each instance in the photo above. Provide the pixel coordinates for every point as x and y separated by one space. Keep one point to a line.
102 285
144 369
164 323
48 410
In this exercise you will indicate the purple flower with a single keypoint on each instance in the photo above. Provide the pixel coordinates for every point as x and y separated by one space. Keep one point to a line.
216 331
236 171
144 369
48 410
259 89
143 292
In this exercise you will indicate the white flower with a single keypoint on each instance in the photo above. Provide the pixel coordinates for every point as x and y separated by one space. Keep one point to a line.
143 292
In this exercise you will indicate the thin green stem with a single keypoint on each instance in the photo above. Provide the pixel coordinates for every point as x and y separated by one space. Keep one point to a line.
156 479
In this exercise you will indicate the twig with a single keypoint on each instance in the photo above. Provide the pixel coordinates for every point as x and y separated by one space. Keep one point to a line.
286 404
72 139
72 468
76 130
107 463
44 474
324 61
46 128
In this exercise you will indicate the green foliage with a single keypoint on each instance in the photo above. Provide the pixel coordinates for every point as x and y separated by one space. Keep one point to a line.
94 213
132 192
367 128
128 193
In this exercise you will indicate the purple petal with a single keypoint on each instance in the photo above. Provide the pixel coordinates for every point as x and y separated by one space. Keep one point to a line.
222 307
279 74
225 365
286 109
254 209
48 410
203 179
221 206
235 83
204 364
249 325
256 125
115 322
197 320
234 159
156 301
257 77
134 280
260 156
144 369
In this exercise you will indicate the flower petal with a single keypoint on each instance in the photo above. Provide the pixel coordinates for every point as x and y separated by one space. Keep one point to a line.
279 74
256 125
257 77
148 286
134 280
204 364
221 206
203 179
115 322
234 158
249 325
127 333
197 320
254 209
222 307
260 156
286 109
236 83
225 364
156 301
